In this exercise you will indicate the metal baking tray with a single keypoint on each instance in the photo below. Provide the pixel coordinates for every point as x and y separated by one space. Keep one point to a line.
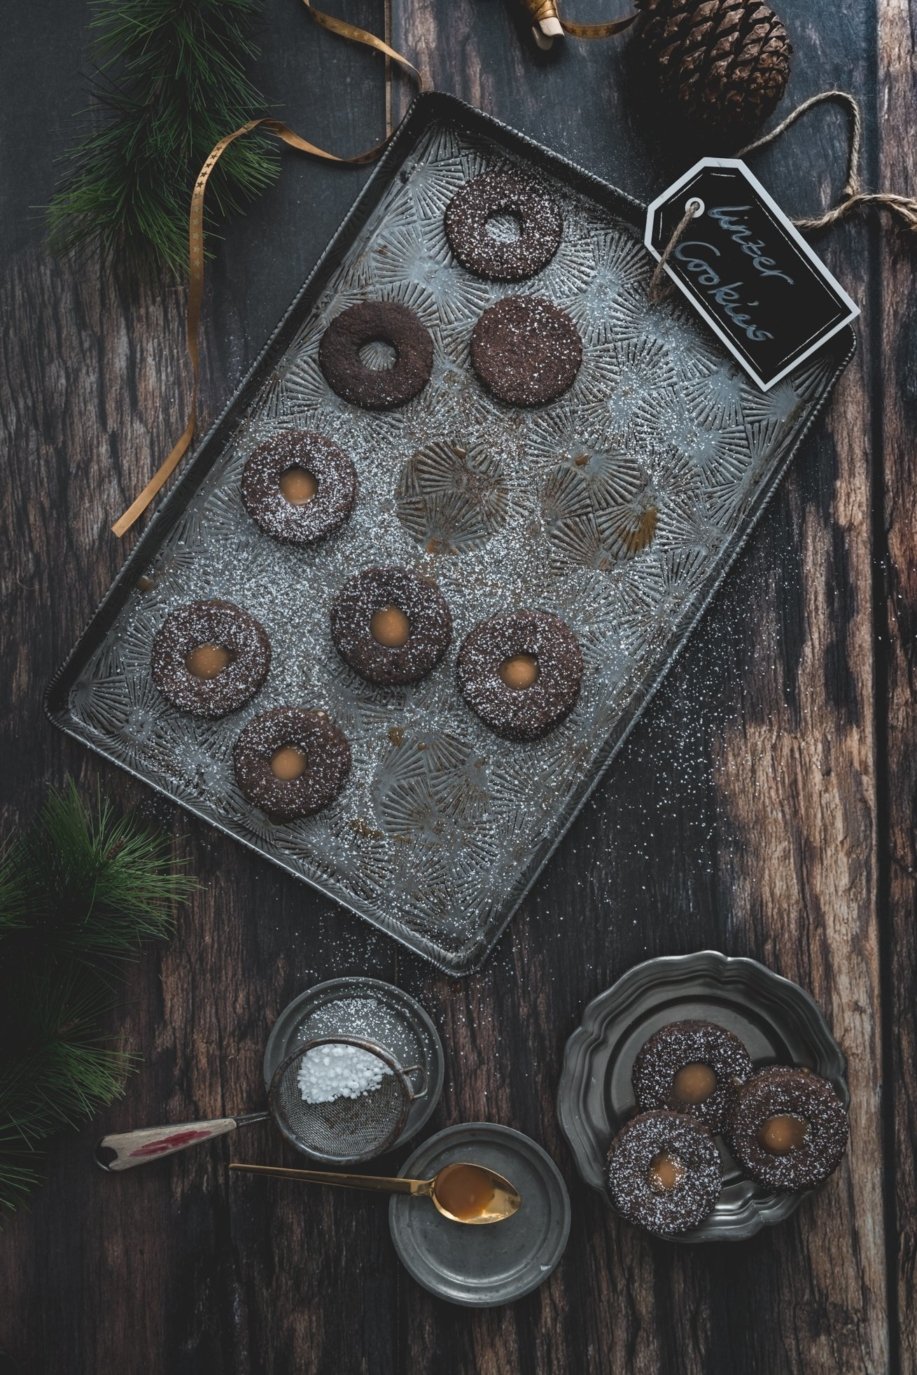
620 507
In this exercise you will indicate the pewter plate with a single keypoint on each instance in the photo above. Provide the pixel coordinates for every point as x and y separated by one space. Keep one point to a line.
374 1011
777 1020
483 1267
620 507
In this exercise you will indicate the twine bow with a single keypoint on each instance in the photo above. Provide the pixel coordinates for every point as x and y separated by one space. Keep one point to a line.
851 198
904 208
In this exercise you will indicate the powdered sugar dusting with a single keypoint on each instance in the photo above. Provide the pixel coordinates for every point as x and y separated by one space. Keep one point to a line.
330 1072
441 823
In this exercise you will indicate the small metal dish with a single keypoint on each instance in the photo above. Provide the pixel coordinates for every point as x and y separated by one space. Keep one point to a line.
483 1267
377 1011
778 1021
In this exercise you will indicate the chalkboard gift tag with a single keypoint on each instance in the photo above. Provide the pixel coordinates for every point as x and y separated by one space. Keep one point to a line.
745 268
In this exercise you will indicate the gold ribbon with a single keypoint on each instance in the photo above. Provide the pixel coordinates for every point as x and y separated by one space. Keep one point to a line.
541 10
196 240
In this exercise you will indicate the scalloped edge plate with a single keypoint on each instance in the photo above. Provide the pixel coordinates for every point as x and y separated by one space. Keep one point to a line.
779 1021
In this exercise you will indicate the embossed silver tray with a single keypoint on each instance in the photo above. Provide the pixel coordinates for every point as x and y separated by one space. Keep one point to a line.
620 507
778 1021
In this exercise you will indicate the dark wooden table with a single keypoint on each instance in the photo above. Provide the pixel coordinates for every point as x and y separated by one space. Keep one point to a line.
763 807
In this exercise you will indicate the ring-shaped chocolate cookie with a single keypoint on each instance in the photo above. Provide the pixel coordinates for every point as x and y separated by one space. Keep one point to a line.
526 350
313 743
369 322
279 496
520 672
691 1067
476 203
236 657
788 1128
663 1172
415 620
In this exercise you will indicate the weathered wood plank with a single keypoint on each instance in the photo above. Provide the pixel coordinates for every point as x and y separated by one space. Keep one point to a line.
742 813
895 307
173 1270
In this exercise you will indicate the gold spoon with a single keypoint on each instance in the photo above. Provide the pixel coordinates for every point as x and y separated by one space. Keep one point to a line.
460 1192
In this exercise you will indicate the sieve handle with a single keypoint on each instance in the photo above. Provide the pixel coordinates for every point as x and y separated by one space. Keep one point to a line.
424 1079
125 1150
393 1184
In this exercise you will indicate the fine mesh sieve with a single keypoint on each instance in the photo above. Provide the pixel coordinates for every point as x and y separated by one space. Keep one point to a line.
343 1129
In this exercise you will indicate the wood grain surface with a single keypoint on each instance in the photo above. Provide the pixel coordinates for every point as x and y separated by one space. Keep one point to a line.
764 806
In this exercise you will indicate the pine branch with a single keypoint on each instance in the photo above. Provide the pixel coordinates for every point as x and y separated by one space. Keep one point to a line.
79 891
171 83
59 1067
20 1175
98 885
13 894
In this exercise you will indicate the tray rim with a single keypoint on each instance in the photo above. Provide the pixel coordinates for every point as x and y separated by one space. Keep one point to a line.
426 108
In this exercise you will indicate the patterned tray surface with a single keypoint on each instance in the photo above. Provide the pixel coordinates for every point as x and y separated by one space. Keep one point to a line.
619 508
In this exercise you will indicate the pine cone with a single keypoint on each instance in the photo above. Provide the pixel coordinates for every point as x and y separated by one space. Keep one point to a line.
726 62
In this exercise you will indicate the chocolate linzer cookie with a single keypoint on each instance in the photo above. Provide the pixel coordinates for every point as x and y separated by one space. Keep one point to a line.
291 762
298 487
476 203
377 389
788 1128
520 671
663 1172
526 350
210 657
691 1067
390 625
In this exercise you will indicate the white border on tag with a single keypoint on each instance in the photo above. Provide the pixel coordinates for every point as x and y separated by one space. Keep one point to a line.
852 308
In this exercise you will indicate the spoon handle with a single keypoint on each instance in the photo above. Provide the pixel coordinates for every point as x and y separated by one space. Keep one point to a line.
393 1184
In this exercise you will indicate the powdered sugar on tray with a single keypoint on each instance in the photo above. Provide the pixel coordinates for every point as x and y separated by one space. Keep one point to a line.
327 1073
617 508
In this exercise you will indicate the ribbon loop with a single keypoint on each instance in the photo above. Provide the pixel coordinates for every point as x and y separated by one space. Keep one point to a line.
196 239
545 17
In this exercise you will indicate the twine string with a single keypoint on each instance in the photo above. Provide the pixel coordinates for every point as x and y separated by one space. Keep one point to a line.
852 198
196 241
659 283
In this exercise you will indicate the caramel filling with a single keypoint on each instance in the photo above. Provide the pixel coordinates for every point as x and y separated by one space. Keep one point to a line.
298 485
208 661
782 1133
665 1173
390 627
519 672
464 1190
288 763
693 1083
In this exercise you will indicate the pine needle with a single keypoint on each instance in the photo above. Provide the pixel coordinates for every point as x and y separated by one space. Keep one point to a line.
59 1066
171 81
79 891
98 884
